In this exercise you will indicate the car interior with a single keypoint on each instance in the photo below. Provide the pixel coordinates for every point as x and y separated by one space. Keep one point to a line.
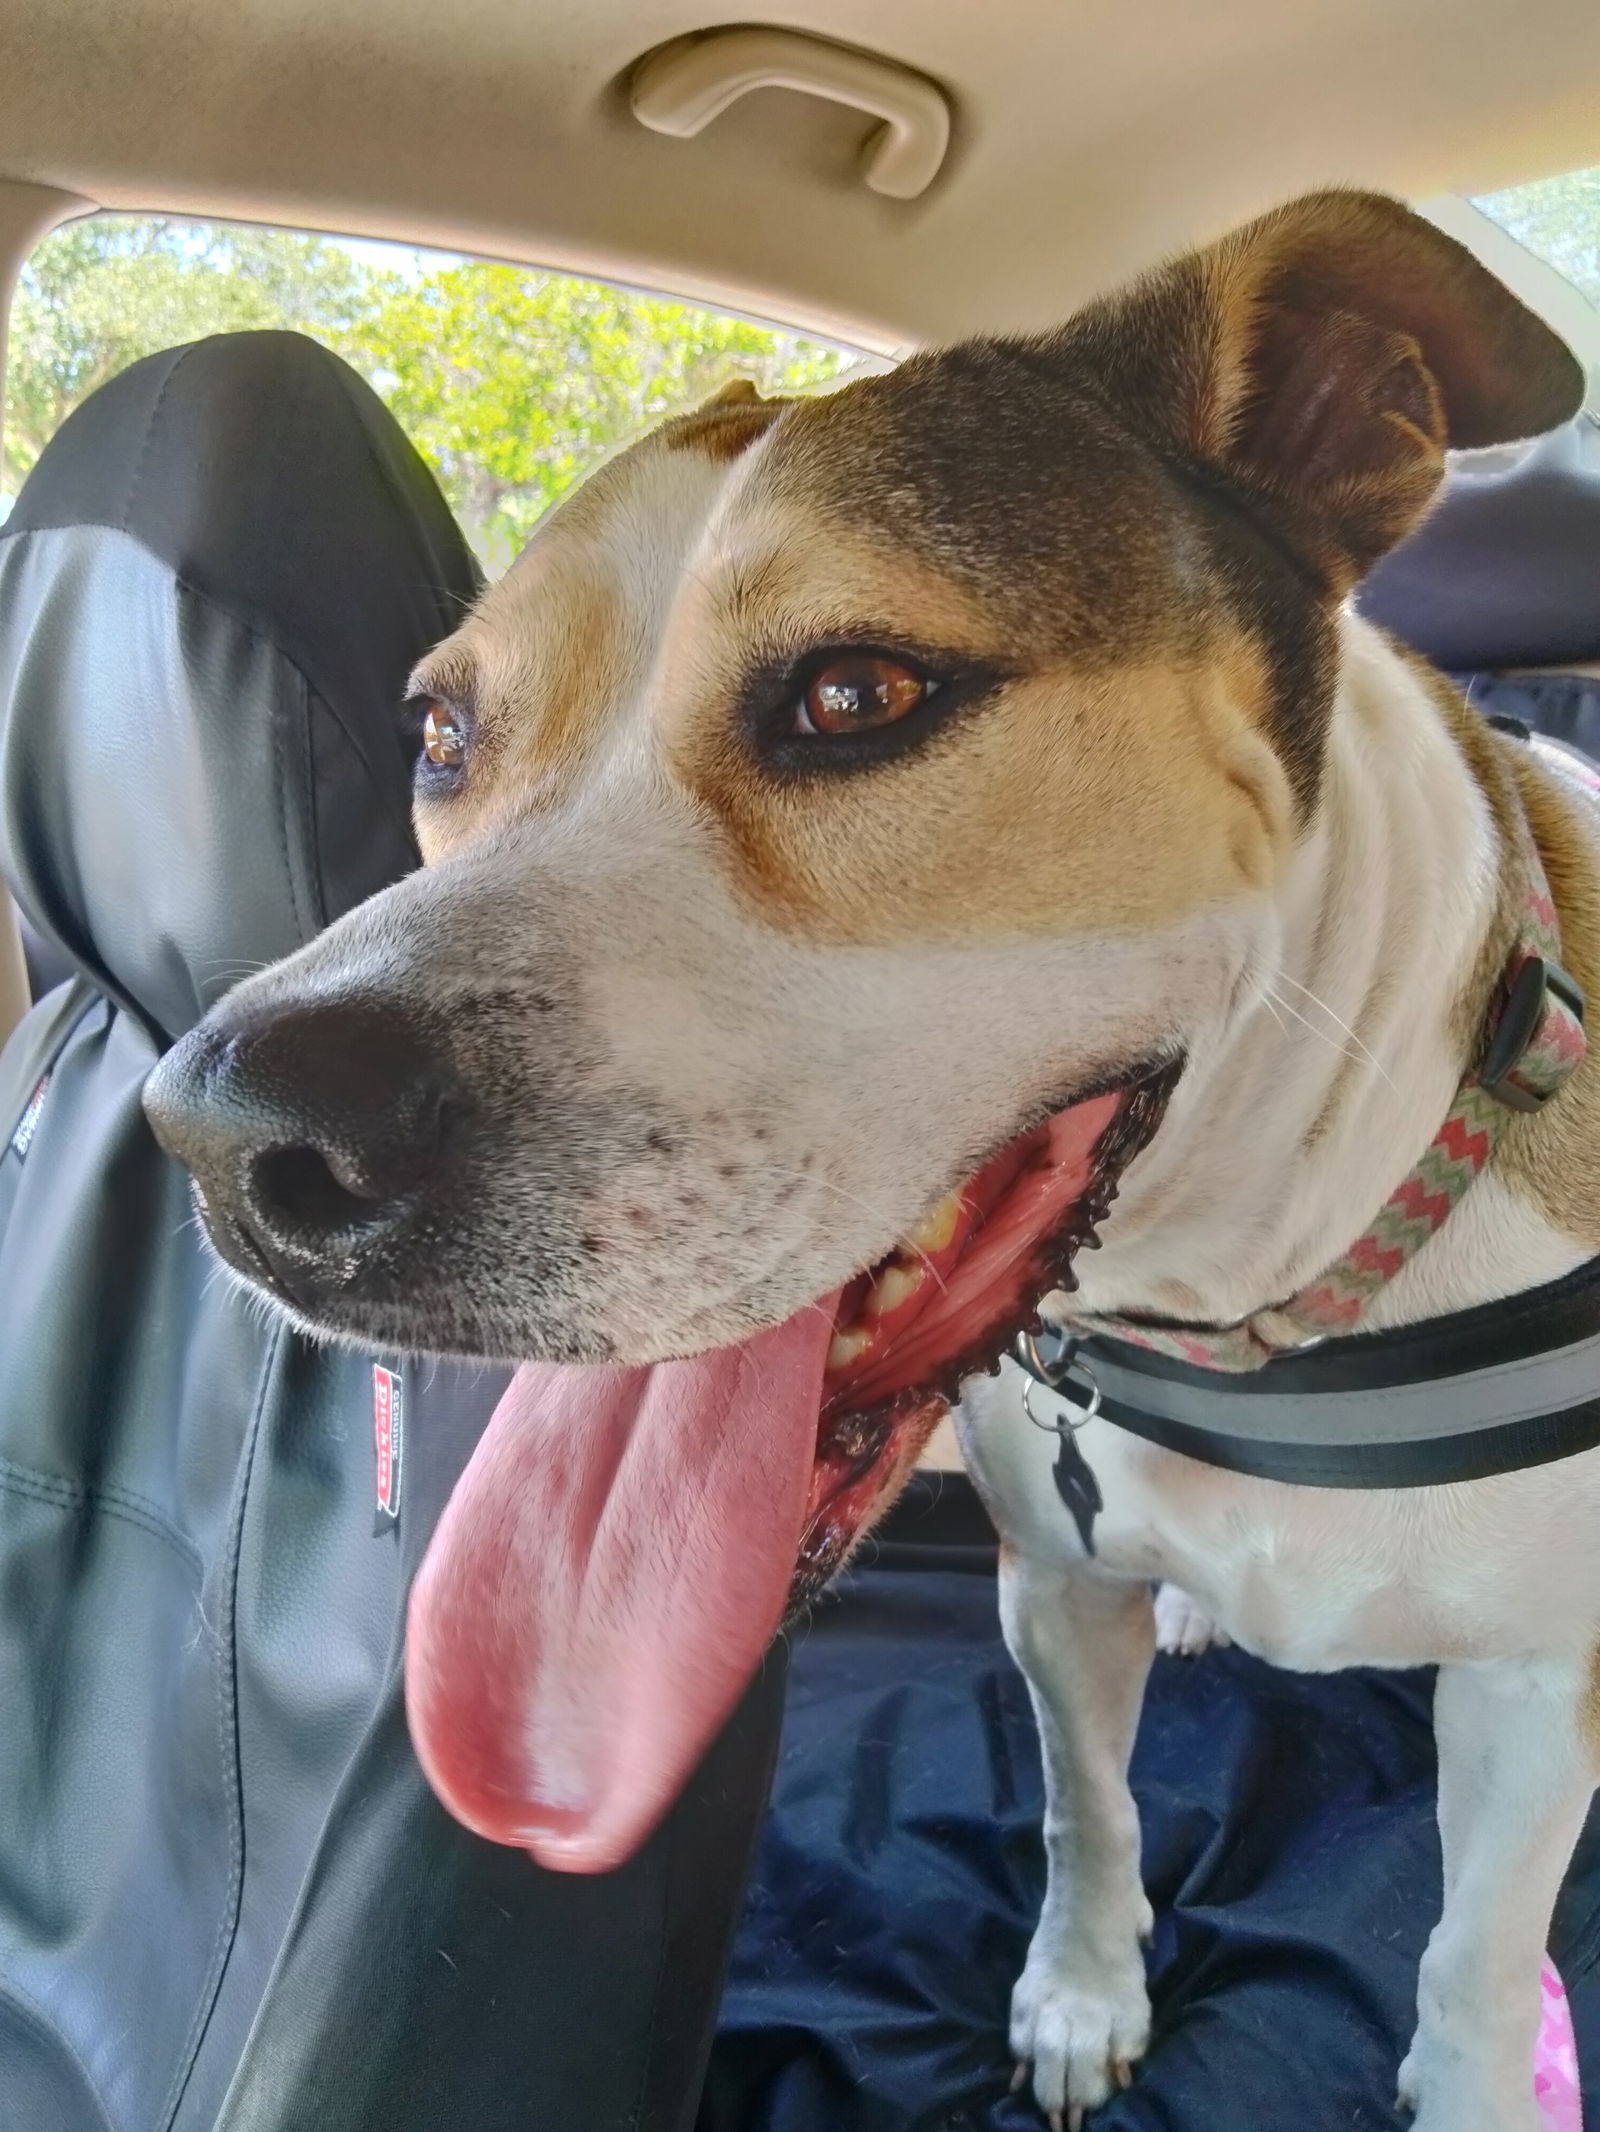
229 1901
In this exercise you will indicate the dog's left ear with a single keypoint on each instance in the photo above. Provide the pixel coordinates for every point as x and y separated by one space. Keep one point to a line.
737 392
726 424
1323 359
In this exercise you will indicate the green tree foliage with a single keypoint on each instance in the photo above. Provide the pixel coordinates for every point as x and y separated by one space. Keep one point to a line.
513 383
510 382
1559 220
98 294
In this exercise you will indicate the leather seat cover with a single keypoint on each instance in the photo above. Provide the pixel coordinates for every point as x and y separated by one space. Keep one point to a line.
219 1865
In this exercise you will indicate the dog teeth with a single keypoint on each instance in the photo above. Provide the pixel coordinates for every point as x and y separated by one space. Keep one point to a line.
847 1345
937 1226
897 1284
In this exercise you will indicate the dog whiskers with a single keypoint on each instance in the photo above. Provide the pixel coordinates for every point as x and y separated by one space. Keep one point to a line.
902 1243
1268 1000
840 1191
1359 1051
1344 1027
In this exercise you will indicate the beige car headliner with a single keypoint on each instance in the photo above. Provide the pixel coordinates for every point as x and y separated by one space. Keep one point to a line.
1089 137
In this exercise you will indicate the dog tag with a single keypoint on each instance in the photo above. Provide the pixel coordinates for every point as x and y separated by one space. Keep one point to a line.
1074 1477
1077 1487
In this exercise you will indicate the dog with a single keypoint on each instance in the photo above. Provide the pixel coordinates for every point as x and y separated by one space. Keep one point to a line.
865 837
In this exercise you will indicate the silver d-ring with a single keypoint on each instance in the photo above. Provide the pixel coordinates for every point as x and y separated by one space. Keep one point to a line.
1050 1428
1075 1417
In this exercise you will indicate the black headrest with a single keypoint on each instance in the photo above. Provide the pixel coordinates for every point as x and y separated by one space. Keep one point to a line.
202 650
1506 571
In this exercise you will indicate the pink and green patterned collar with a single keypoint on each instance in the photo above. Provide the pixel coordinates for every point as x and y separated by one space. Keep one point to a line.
1533 1045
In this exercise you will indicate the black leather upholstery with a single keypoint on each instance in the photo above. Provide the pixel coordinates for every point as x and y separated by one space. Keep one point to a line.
227 1898
198 621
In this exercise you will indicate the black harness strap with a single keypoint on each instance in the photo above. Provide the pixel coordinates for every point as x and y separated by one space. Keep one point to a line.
1510 1385
1433 1464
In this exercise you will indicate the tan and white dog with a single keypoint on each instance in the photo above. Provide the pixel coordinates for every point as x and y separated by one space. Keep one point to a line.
858 832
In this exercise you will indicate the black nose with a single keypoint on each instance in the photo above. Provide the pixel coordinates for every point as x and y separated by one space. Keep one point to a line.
313 1132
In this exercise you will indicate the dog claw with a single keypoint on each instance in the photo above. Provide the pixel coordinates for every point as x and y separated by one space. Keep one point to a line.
1074 2119
1123 2073
1019 2077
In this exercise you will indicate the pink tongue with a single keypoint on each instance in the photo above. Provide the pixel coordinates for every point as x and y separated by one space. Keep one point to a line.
602 1585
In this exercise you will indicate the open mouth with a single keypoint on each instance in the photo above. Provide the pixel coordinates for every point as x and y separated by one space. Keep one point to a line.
953 1295
626 1541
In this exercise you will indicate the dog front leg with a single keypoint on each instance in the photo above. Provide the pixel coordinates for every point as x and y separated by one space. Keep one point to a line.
1080 2014
1517 1770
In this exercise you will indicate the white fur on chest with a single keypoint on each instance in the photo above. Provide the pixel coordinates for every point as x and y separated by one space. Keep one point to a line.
1312 1578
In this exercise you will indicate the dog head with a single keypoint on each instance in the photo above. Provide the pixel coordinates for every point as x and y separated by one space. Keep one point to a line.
839 826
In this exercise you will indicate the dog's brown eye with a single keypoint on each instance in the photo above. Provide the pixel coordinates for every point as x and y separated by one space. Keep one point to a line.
856 694
444 738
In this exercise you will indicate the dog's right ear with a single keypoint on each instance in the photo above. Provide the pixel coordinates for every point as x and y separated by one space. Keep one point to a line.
1322 360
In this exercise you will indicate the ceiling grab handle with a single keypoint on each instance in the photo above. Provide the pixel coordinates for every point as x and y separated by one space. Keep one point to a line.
683 87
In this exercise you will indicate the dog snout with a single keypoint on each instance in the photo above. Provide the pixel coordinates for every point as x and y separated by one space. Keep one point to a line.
313 1133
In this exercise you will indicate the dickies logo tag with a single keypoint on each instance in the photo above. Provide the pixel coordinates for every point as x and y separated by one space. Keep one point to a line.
28 1123
388 1443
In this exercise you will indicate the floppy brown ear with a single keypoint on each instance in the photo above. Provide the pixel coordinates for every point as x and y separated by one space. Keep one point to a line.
1323 359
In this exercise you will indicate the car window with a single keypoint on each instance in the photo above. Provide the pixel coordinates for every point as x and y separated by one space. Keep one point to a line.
1558 220
510 381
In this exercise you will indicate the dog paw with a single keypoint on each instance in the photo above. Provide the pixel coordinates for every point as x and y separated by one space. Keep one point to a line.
1081 2026
1447 2091
1183 1628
